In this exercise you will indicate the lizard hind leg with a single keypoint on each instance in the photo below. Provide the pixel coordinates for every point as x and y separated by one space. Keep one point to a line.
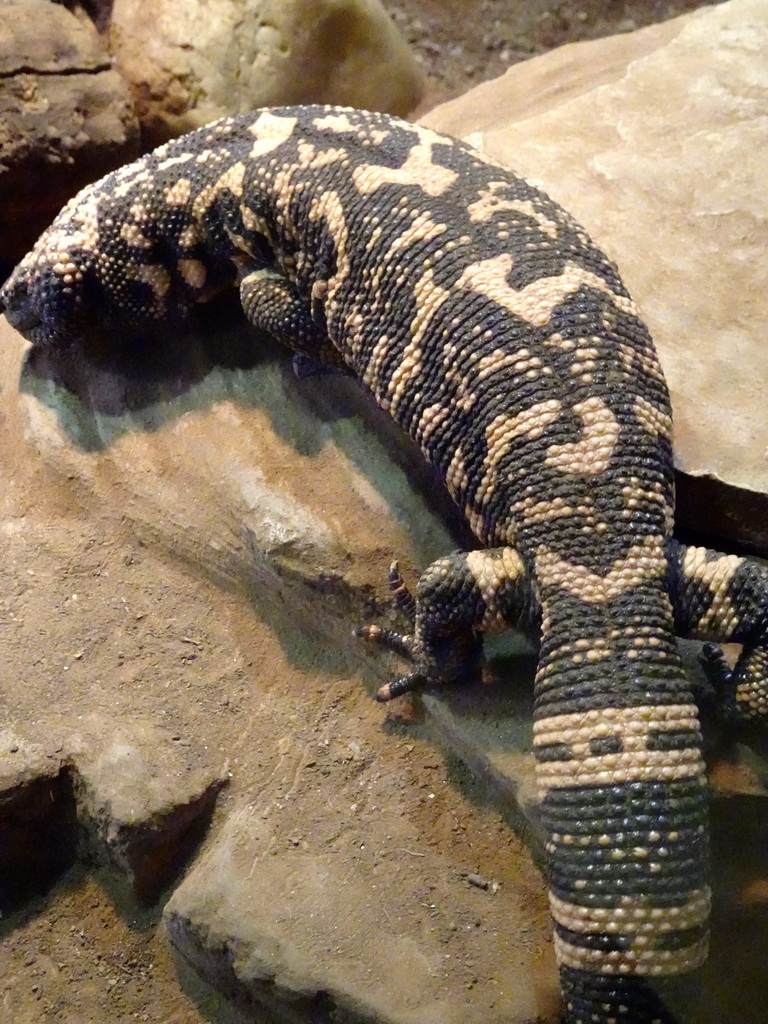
743 690
724 598
457 597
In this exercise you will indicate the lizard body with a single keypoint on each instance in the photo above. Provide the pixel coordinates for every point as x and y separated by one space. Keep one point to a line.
484 319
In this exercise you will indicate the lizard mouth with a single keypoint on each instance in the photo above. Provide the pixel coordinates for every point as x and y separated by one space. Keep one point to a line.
20 313
26 318
23 319
30 326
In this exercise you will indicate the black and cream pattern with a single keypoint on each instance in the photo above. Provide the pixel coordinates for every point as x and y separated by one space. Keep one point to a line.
482 317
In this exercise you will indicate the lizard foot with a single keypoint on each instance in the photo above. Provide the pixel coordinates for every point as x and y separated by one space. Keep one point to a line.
442 644
716 668
743 690
402 644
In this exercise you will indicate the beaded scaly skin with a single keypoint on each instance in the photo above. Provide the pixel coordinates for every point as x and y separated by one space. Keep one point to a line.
487 323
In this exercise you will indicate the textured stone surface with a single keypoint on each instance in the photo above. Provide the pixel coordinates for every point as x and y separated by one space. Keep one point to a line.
243 506
129 795
286 491
66 117
338 882
656 142
191 63
317 933
144 797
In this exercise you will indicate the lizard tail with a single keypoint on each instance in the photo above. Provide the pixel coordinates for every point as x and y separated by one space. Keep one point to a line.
619 763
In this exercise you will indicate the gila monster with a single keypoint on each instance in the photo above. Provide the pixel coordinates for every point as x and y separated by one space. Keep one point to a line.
482 317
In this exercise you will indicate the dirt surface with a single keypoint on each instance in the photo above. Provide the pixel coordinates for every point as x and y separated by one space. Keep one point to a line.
74 957
463 42
91 619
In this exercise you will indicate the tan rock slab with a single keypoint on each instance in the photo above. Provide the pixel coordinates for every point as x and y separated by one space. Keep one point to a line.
144 797
124 793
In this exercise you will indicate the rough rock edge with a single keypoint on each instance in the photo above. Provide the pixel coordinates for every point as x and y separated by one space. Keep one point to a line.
147 853
311 53
216 967
52 810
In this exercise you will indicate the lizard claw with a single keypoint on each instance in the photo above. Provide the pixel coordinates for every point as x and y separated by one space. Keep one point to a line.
404 684
401 595
401 643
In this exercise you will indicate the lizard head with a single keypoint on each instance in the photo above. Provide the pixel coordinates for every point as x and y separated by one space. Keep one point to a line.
44 298
52 296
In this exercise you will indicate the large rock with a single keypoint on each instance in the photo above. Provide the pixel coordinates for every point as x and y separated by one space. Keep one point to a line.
191 63
285 491
129 795
37 819
66 117
338 883
656 141
338 943
144 797
243 507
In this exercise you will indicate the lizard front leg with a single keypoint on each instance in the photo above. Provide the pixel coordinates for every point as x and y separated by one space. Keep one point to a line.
272 303
458 597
